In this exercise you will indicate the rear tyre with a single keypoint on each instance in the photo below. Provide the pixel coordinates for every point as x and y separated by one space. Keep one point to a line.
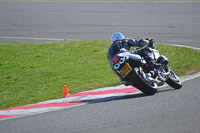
147 87
174 81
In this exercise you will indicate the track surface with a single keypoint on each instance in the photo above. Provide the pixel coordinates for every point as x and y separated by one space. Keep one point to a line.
169 22
168 111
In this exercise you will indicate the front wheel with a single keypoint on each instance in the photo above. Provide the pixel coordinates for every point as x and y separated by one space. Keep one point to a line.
147 86
174 81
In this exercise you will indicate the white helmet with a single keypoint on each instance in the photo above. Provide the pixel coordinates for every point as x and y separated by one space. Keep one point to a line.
117 36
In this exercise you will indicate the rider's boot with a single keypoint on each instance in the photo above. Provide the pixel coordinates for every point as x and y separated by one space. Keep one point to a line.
151 65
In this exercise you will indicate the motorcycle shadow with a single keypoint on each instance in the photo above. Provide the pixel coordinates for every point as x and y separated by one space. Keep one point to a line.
113 98
165 90
128 96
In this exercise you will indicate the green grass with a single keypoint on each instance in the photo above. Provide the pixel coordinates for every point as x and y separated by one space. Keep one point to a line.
33 73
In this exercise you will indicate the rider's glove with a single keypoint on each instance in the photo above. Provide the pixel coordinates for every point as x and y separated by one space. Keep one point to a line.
143 42
151 44
151 40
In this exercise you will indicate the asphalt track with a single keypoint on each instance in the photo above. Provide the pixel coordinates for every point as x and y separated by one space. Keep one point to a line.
169 111
166 22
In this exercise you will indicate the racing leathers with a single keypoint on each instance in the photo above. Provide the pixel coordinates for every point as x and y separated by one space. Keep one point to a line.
122 46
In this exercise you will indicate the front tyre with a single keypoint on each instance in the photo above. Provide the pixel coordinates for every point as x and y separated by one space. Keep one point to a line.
174 81
148 87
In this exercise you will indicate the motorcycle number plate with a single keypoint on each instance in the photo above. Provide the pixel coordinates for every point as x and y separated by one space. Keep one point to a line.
125 70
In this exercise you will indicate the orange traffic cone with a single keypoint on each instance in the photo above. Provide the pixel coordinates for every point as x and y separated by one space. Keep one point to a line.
65 91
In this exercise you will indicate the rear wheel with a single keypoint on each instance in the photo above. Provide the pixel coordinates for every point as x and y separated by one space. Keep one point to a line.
174 81
147 85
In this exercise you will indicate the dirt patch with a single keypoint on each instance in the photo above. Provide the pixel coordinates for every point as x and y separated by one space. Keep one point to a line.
192 71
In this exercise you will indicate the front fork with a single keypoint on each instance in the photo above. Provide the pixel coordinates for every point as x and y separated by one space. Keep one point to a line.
162 74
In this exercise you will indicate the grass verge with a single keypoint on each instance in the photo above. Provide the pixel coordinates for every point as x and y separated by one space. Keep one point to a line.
33 73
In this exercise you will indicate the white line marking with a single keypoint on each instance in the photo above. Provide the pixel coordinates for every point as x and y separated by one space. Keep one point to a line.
31 38
184 46
190 77
61 108
103 97
35 38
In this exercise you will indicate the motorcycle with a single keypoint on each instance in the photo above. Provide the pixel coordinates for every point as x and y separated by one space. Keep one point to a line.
133 69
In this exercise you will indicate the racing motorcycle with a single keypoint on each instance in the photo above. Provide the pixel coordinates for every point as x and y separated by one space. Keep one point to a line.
134 69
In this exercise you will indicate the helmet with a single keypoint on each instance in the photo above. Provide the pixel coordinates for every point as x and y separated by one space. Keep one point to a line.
117 36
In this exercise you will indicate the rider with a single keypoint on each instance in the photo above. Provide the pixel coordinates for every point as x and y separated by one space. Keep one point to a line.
120 44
